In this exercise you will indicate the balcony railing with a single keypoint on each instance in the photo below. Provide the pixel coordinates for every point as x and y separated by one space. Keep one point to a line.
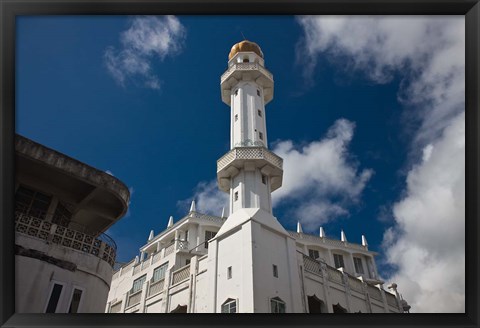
249 153
181 274
156 287
98 244
312 265
374 292
245 67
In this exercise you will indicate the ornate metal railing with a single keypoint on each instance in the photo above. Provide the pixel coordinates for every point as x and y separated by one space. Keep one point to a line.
156 287
181 274
249 153
312 266
374 292
99 244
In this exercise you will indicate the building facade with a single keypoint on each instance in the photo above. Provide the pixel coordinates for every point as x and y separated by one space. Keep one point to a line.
247 262
63 260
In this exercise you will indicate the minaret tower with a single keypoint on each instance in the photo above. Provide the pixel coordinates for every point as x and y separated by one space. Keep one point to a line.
249 171
252 260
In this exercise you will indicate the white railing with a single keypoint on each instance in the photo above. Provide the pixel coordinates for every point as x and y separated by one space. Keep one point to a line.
355 284
245 67
374 292
169 249
134 299
335 275
391 299
99 245
312 266
249 153
157 256
115 308
182 245
181 274
156 287
327 241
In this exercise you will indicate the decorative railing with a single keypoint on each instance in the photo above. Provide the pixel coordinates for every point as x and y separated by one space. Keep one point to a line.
156 257
137 268
245 67
391 299
249 143
312 266
335 275
327 241
115 308
134 298
249 153
355 284
156 287
99 245
374 292
169 249
181 274
182 245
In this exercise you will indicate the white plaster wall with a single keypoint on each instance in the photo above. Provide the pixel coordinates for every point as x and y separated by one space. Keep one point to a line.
202 291
178 298
33 278
155 307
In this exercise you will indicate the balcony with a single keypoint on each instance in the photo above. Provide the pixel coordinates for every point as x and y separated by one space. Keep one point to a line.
96 244
229 164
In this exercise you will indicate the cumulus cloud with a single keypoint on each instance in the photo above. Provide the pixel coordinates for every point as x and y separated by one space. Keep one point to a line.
426 243
147 39
321 181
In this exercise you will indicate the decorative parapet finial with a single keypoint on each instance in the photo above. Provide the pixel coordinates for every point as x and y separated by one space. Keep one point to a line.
170 222
192 207
343 237
364 241
137 259
223 212
299 227
322 232
150 236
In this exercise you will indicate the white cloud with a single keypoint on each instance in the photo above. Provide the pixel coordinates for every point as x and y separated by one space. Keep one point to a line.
320 180
426 244
148 38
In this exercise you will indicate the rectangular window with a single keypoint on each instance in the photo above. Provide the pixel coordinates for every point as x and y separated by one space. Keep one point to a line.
277 305
236 196
209 235
313 253
186 235
229 272
76 297
32 202
187 261
236 117
258 92
159 273
230 306
358 265
338 261
138 284
264 179
260 135
275 271
259 112
54 298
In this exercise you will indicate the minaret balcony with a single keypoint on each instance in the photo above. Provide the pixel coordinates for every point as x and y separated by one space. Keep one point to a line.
246 72
247 158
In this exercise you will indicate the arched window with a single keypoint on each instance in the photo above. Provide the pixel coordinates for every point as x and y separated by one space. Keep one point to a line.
229 306
180 309
246 60
316 305
277 305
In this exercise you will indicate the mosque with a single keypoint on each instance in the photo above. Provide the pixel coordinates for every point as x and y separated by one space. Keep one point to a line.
246 261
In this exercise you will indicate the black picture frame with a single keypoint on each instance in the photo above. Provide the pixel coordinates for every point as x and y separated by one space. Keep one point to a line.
9 9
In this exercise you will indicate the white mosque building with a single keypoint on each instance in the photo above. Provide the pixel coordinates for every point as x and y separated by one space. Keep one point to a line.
247 262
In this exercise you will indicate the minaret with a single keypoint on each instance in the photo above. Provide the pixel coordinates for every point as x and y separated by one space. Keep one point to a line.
242 266
249 171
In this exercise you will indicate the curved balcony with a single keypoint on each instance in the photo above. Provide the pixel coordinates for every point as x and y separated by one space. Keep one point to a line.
230 163
98 244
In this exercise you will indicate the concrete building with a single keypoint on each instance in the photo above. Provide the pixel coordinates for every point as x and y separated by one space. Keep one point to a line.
63 260
247 262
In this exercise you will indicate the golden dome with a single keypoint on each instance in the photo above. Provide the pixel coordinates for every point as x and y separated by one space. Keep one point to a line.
245 46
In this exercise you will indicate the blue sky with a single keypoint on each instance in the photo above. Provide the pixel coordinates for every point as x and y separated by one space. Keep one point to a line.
367 114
